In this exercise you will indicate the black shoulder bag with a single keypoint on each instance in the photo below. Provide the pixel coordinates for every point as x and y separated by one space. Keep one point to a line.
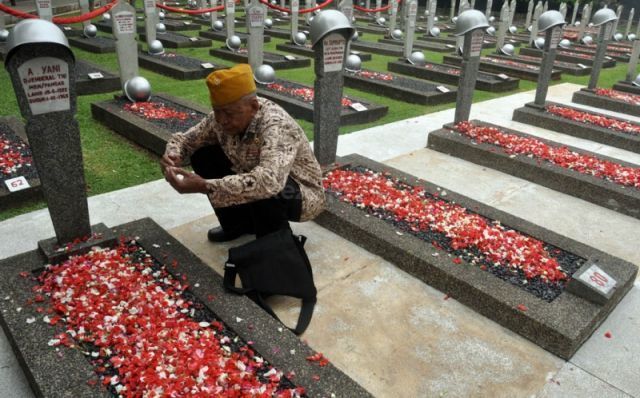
275 264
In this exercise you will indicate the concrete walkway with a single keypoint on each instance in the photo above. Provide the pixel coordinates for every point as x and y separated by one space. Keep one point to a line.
387 330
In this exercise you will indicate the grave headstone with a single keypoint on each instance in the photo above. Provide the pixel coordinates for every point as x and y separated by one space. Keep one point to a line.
545 6
45 10
629 22
471 49
464 6
295 9
604 35
633 61
150 20
584 20
552 37
43 78
618 14
487 12
527 21
432 14
378 5
452 9
367 4
503 26
575 12
214 14
394 15
255 15
3 22
84 9
307 16
412 13
123 16
230 11
330 49
563 10
534 23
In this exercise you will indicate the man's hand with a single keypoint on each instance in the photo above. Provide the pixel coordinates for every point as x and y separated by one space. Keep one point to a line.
167 161
184 181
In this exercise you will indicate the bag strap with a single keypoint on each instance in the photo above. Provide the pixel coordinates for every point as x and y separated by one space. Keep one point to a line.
229 280
306 312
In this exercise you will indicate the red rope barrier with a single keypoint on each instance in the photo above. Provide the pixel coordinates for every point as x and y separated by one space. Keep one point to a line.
60 20
370 10
185 11
303 11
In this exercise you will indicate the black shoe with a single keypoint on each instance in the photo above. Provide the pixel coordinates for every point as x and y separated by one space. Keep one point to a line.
217 234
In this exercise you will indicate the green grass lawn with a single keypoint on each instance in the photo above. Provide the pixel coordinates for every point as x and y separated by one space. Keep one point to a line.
112 162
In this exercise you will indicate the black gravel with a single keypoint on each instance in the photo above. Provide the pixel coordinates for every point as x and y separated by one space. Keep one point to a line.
398 81
180 60
547 291
27 170
173 125
199 312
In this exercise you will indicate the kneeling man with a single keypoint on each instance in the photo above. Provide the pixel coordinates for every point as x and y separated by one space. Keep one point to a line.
250 158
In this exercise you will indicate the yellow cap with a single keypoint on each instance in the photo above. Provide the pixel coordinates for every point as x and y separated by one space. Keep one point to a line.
229 85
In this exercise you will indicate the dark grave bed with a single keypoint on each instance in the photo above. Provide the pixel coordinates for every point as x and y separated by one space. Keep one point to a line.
177 66
107 26
150 132
70 31
181 26
176 40
544 312
505 66
177 273
307 51
598 190
98 44
609 54
568 56
297 99
578 125
400 87
276 61
626 86
565 67
222 36
377 48
92 79
376 30
19 179
451 75
590 97
276 21
421 45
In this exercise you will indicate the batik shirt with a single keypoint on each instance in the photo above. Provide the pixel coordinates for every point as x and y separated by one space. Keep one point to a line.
272 148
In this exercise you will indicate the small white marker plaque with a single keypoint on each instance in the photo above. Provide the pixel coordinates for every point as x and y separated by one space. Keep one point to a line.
17 184
599 280
290 57
503 76
354 52
193 38
187 23
66 27
450 46
95 75
608 58
207 65
333 52
358 107
443 89
582 66
45 81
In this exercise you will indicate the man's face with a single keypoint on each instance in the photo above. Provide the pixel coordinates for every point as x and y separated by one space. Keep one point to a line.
235 117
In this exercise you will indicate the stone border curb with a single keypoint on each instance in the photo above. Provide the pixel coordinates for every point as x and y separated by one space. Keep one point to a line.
533 115
308 52
176 40
89 45
534 52
514 71
41 363
87 86
163 67
559 327
596 190
275 60
573 70
588 97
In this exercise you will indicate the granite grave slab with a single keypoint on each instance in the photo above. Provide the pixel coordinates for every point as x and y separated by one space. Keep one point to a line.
151 133
568 56
98 44
423 45
31 340
508 67
18 175
177 40
297 99
560 326
622 102
222 36
181 26
275 60
400 87
451 75
603 192
307 51
177 66
566 67
394 50
93 79
540 117
626 86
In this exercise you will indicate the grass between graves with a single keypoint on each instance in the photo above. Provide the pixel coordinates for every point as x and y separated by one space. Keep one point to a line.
112 162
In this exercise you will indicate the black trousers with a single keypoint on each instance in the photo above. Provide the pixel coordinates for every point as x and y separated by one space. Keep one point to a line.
261 216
